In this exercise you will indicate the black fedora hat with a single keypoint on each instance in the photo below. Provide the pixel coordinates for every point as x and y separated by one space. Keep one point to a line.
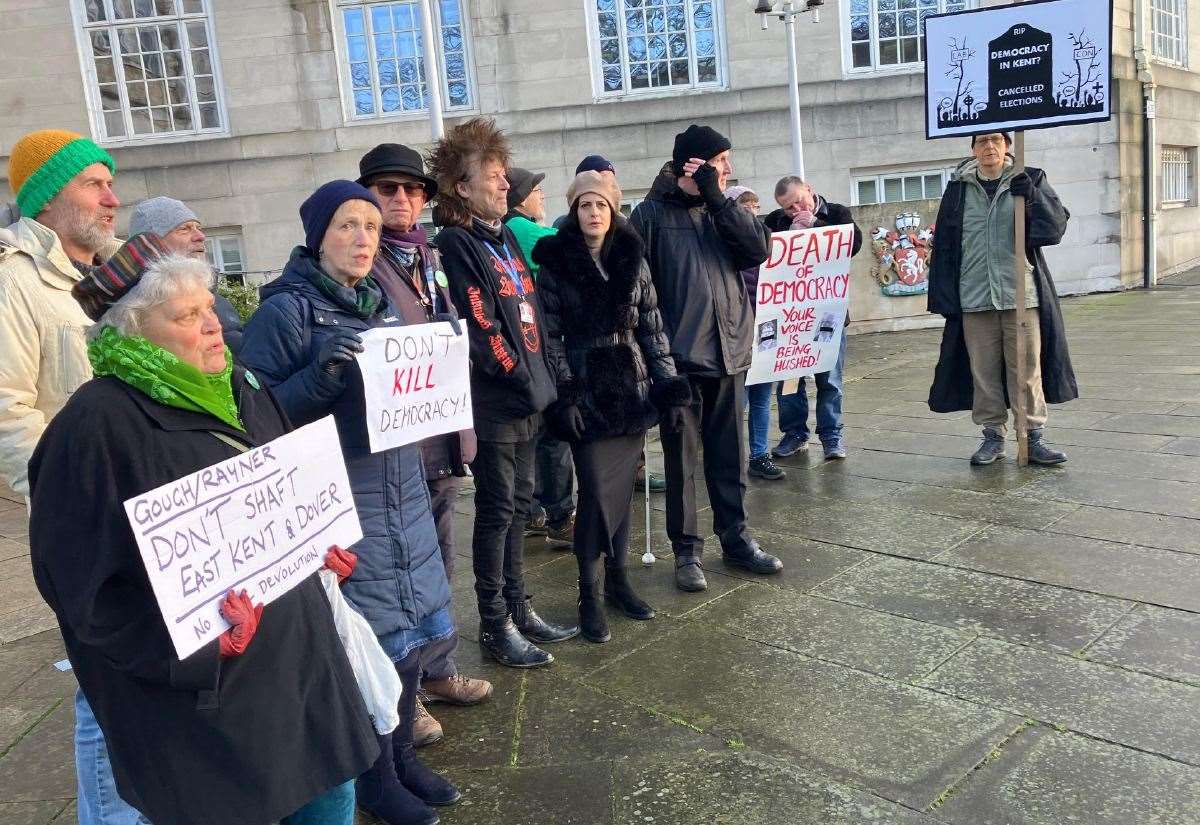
520 183
395 157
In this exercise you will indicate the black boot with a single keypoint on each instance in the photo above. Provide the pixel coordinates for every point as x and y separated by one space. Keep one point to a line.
412 774
508 647
593 624
380 792
536 629
619 592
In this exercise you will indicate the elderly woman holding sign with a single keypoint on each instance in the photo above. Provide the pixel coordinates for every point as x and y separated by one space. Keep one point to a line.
302 342
264 724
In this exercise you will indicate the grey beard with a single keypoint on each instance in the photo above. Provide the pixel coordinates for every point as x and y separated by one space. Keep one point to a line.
80 229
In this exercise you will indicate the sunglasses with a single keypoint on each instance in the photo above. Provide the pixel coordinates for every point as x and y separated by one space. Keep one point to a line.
388 188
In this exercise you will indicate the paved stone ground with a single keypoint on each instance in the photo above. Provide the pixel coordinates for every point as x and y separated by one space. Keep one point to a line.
946 644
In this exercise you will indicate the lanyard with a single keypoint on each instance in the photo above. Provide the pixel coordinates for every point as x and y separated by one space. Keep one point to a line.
510 266
430 283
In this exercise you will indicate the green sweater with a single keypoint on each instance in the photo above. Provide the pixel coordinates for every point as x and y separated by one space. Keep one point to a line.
527 234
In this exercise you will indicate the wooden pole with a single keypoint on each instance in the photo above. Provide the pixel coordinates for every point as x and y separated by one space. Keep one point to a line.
1018 402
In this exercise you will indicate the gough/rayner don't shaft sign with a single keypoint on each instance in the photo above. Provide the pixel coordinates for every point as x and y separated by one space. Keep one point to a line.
1024 66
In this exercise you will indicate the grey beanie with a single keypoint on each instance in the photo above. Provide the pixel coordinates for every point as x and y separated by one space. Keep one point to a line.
159 216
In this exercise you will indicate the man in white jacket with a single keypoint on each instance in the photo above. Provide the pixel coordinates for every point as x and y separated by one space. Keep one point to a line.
63 184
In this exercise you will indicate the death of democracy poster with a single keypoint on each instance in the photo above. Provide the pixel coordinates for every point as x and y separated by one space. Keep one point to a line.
1024 66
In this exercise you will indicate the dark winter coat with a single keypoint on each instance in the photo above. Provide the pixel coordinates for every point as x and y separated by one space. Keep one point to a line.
1045 223
604 335
443 455
696 258
399 579
203 741
509 377
231 323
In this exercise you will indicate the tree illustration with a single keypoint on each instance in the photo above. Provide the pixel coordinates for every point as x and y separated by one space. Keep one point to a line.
1074 90
959 55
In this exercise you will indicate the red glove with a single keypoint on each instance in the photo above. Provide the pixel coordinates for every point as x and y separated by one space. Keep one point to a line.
240 612
341 561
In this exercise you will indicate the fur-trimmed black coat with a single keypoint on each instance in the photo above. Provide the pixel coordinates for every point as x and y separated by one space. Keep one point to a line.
605 342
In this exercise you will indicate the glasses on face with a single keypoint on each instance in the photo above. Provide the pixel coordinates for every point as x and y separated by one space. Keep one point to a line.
388 188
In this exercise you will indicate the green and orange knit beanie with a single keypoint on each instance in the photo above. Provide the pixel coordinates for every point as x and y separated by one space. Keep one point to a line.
43 162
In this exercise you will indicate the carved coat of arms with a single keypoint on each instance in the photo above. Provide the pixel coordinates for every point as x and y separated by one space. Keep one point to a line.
902 256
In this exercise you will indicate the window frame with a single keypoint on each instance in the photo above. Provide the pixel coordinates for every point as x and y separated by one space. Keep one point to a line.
849 70
880 176
350 116
1180 13
213 240
595 70
1183 170
91 82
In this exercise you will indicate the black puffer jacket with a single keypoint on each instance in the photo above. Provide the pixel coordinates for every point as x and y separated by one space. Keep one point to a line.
605 342
696 258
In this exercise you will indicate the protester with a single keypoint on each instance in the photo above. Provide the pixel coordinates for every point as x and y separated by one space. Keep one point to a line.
180 230
410 272
802 208
698 242
302 343
510 382
758 396
263 724
972 284
613 370
553 510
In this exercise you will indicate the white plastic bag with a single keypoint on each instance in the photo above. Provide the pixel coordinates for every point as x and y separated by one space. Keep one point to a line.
376 675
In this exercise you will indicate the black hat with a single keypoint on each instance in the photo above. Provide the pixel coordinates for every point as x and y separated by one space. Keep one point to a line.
1007 138
394 157
595 163
702 142
520 183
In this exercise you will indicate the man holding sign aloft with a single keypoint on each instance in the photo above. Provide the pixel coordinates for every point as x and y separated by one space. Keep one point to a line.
971 283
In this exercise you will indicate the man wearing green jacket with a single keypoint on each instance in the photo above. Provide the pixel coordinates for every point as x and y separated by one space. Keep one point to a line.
526 211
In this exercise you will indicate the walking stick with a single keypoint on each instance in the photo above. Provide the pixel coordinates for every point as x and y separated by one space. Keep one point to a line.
647 557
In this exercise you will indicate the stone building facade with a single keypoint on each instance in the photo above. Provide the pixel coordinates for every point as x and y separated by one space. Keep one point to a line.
242 108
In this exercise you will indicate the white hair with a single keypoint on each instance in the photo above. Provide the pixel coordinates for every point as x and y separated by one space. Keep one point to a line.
163 279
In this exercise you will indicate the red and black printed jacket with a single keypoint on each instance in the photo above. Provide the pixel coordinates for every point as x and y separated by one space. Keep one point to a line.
509 376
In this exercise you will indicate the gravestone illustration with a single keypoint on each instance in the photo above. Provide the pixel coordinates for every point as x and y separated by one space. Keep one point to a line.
1020 75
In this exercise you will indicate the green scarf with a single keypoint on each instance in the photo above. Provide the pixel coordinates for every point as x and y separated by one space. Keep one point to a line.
364 299
163 377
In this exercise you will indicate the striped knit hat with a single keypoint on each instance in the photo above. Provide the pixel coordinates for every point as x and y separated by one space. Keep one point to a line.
43 162
119 274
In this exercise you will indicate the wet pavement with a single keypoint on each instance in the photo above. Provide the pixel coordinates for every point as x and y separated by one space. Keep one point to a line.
946 644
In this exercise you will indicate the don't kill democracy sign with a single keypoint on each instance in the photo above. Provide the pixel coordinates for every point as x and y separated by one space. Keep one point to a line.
1023 66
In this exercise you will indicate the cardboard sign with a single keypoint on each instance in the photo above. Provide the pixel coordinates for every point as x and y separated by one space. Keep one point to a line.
417 383
803 293
1024 66
261 521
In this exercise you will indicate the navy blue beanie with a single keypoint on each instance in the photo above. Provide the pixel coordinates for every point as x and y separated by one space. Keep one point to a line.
317 211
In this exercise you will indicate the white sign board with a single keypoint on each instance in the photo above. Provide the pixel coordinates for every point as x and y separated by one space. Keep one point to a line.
1021 66
417 383
261 521
803 294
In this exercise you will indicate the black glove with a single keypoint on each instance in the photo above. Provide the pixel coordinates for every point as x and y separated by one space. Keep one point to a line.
708 182
568 421
672 420
338 351
1021 186
450 319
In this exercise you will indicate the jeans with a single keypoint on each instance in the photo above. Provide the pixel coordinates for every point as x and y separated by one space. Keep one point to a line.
554 481
793 408
758 400
503 491
334 807
714 420
98 801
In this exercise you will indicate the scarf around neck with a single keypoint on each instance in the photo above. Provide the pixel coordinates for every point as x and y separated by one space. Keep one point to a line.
364 300
164 377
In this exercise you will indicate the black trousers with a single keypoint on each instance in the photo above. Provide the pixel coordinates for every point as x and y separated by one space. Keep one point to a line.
555 478
605 470
714 421
437 657
503 491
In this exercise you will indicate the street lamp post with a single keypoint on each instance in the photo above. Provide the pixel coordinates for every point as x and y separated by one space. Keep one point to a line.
787 13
